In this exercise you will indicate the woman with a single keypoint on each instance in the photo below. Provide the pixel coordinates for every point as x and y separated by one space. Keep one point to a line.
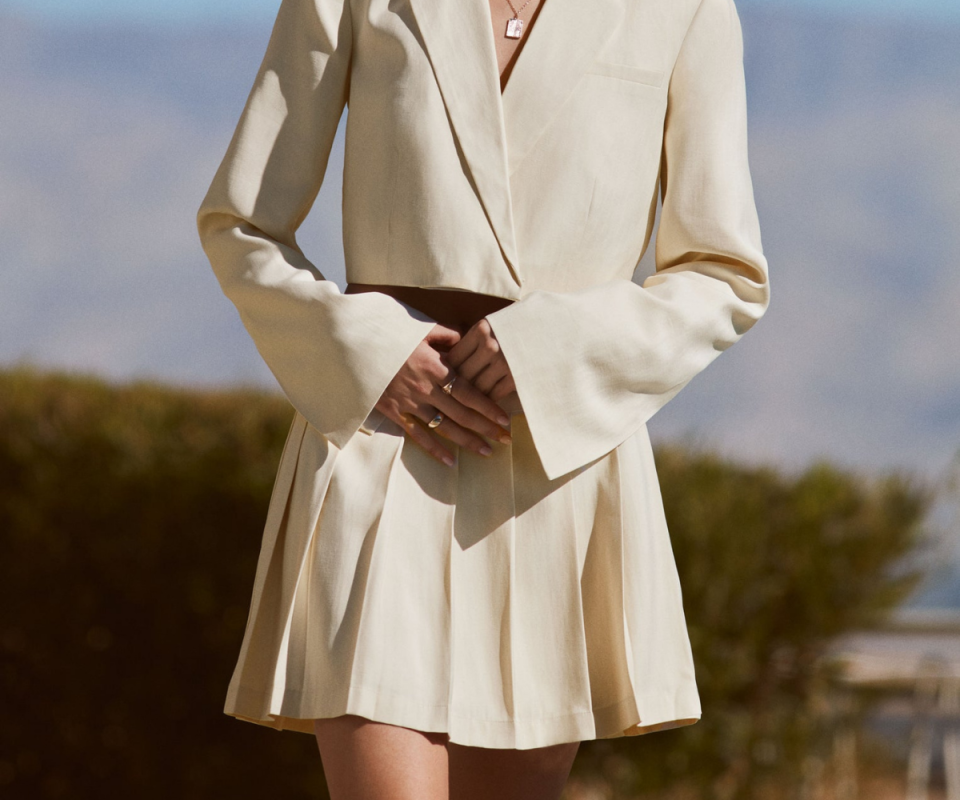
465 568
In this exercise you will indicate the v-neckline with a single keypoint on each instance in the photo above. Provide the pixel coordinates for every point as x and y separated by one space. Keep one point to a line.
515 57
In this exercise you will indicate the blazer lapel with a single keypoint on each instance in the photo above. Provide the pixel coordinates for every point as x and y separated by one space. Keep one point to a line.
563 44
458 35
494 132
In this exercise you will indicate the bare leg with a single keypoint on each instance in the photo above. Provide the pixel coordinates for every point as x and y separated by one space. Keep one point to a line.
479 773
365 760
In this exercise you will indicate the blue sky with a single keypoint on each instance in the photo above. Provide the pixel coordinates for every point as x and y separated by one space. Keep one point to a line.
853 152
174 10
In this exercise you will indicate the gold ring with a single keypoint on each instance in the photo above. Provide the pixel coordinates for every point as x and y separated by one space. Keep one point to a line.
448 388
436 420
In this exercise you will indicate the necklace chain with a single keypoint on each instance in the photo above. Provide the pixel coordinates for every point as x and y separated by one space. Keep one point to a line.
516 12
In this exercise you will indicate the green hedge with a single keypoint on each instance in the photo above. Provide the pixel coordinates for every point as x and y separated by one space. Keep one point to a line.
130 523
772 568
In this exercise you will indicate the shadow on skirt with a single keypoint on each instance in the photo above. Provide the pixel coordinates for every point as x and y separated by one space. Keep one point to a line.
482 600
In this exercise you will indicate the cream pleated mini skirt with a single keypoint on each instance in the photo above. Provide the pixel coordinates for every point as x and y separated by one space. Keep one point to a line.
481 600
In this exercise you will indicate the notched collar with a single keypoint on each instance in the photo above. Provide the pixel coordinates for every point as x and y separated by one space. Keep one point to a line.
496 132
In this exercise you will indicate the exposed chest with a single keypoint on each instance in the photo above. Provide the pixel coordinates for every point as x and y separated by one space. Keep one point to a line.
509 37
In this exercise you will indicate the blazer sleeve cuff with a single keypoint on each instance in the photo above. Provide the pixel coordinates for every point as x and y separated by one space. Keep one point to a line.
402 329
591 367
573 413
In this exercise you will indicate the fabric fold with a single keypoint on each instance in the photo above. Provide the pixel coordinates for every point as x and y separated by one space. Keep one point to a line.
486 601
529 598
594 363
481 576
332 354
256 663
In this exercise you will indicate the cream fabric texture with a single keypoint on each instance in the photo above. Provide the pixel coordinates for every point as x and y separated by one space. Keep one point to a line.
530 598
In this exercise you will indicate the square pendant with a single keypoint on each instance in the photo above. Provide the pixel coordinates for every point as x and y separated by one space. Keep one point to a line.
514 28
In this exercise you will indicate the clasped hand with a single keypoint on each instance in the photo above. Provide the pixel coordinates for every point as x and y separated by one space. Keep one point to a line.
479 404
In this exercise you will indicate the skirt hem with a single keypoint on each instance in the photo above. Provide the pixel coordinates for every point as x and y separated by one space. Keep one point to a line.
614 721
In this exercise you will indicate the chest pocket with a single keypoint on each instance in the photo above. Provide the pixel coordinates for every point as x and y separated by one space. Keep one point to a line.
649 77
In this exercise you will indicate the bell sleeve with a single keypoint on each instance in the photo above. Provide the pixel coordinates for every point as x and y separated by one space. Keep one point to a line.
333 354
592 366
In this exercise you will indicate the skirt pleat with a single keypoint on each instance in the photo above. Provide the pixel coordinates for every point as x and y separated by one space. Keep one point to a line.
484 600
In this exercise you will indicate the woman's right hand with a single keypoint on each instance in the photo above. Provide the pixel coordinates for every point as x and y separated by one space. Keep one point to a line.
414 396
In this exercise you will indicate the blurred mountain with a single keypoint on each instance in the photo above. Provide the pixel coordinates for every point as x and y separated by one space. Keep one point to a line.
110 136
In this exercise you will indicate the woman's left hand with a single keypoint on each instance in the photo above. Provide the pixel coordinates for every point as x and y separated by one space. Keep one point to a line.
479 359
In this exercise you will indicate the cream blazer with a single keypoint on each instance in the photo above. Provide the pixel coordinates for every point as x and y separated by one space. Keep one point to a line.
545 195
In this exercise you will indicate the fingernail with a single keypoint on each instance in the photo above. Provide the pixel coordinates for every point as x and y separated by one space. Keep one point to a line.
448 461
503 420
485 450
505 439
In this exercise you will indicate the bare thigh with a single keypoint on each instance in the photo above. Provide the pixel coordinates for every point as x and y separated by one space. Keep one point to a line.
479 773
366 760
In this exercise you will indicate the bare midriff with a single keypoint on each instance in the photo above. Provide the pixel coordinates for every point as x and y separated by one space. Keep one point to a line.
452 307
455 307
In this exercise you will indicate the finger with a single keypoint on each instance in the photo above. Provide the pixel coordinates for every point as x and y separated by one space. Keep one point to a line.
489 377
468 395
422 436
471 422
464 348
442 337
511 403
480 359
462 436
486 352
503 388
